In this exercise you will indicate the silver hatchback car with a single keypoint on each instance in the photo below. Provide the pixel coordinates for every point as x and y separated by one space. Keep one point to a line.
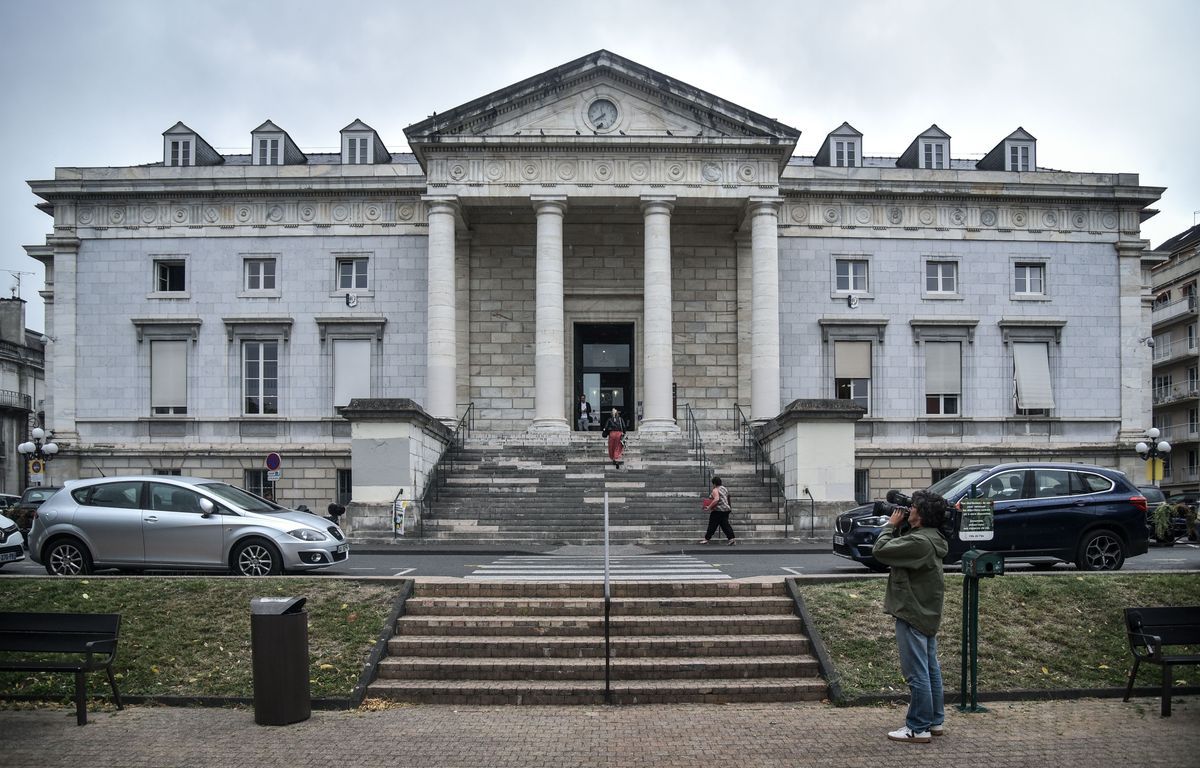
185 523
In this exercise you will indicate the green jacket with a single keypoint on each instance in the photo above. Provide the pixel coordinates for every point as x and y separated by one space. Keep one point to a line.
915 586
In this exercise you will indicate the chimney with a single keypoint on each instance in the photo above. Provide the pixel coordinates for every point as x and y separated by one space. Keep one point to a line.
12 321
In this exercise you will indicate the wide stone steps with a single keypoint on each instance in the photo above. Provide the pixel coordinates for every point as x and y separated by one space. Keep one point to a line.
543 643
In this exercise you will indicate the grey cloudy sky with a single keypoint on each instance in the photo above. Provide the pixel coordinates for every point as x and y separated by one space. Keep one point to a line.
1104 86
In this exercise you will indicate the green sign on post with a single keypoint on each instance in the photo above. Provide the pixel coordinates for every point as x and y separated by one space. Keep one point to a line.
974 524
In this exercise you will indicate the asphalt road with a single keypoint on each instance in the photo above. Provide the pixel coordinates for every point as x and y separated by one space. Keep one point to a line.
723 562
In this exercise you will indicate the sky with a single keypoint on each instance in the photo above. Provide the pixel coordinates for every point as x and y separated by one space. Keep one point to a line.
1104 86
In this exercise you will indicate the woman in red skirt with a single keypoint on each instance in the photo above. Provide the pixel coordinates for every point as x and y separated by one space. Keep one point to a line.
615 430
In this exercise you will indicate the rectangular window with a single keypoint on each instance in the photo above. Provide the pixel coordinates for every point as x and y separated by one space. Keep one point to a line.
1193 462
181 152
934 154
1031 379
169 276
851 275
1191 338
941 277
943 378
1193 380
168 472
168 378
862 486
260 274
843 152
351 274
268 151
260 378
1018 157
356 151
345 487
1193 421
255 481
1029 279
351 370
852 371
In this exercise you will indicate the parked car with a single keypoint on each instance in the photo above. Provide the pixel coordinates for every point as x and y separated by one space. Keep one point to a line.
8 500
1043 512
12 543
22 513
1154 497
183 523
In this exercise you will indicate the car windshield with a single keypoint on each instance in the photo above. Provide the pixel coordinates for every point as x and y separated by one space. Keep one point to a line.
953 485
241 498
41 494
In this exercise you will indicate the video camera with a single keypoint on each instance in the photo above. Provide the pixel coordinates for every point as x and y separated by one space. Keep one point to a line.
895 501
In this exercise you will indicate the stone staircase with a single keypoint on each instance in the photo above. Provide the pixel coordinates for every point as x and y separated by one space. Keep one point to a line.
500 643
518 490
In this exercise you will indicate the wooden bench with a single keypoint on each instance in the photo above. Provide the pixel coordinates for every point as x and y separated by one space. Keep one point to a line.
1152 631
82 643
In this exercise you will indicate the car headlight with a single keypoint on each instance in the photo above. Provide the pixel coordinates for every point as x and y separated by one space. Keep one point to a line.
873 522
307 534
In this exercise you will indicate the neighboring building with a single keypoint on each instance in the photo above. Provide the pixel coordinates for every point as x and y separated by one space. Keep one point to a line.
22 380
600 228
1176 376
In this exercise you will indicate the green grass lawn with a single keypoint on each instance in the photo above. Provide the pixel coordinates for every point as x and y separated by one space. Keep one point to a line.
183 636
1035 632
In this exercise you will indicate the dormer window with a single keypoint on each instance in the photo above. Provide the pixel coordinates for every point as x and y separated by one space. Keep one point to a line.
845 153
183 147
361 145
267 152
841 149
1020 156
180 152
934 154
1018 152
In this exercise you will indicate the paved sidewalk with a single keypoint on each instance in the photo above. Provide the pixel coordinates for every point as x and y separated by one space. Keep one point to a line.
1090 732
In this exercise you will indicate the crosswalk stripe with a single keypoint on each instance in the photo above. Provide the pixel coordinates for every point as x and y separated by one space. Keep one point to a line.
591 568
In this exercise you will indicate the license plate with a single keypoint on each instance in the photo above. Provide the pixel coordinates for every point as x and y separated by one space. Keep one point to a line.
8 557
839 538
343 548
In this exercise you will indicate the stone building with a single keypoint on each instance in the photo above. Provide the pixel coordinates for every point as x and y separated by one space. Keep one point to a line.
602 229
1176 375
21 393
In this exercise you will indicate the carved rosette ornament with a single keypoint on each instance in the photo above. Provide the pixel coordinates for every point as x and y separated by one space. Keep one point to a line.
243 213
832 214
340 213
958 216
149 215
926 216
895 215
711 172
406 212
675 171
1018 218
639 171
747 173
799 213
458 171
373 212
85 215
275 214
603 171
117 215
530 171
566 170
863 215
1050 219
988 217
212 215
1109 221
307 213
494 171
1079 220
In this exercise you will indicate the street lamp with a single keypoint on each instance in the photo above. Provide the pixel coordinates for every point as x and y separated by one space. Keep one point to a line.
1153 452
37 452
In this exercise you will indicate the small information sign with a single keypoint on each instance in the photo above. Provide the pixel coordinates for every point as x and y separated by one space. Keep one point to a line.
273 475
975 523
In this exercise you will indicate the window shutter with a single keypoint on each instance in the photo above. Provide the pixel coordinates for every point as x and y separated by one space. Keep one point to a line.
168 374
852 360
351 370
1032 364
943 368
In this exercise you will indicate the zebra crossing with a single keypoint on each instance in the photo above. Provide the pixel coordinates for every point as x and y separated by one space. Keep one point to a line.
591 568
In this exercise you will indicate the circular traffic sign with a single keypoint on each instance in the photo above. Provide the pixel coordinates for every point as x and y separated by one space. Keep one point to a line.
35 466
273 461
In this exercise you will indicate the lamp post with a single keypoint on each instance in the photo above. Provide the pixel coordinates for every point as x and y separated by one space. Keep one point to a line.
38 452
1154 452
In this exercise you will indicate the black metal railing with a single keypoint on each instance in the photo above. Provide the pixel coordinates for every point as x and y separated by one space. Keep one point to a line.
696 443
768 474
10 399
435 480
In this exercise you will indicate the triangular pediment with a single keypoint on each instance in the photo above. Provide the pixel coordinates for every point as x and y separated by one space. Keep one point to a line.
605 99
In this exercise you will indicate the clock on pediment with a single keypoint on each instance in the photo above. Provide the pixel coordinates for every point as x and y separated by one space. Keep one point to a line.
602 114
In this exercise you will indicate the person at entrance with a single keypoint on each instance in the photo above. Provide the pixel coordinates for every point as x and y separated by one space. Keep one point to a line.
718 508
915 590
614 430
584 417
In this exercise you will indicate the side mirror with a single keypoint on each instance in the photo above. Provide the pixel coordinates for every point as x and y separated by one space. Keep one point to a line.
207 507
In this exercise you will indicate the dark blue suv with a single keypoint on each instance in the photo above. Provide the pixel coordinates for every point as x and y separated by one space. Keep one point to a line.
1091 516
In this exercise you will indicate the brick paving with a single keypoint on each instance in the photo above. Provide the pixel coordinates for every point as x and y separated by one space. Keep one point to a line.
1089 732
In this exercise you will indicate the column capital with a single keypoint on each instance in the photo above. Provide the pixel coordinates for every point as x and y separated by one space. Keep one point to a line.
756 206
549 203
657 203
433 202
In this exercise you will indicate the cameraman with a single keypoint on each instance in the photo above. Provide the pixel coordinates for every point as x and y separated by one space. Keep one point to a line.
914 596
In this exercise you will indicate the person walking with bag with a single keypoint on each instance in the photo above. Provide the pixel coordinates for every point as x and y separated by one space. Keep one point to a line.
584 418
614 430
718 508
915 591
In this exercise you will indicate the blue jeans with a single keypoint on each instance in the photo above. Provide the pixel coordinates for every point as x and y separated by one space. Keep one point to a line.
918 662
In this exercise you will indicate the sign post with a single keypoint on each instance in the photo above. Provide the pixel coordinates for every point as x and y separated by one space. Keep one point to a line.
975 521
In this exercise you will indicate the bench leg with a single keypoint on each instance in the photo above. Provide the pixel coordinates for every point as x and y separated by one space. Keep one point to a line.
80 699
113 684
1166 691
1132 677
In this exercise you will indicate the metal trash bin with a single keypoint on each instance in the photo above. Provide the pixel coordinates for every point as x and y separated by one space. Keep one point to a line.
279 653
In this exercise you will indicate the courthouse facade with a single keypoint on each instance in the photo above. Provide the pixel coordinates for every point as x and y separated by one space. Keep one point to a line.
599 229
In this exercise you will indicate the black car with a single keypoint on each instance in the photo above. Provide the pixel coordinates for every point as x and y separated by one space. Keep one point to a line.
21 513
1091 516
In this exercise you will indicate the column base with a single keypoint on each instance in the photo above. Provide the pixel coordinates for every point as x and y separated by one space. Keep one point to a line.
658 425
549 425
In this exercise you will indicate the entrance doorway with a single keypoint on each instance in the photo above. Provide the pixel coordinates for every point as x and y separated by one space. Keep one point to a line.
604 370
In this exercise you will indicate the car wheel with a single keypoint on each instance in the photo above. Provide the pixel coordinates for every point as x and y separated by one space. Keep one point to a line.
1101 551
67 556
256 558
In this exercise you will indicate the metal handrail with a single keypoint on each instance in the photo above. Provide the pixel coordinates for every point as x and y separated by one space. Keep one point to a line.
696 441
11 399
436 479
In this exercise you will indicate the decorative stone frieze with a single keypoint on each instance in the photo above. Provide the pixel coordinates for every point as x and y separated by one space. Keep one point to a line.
801 216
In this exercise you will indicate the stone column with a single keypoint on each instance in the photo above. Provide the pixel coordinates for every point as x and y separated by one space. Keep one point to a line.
1136 356
550 403
61 353
658 355
441 354
764 322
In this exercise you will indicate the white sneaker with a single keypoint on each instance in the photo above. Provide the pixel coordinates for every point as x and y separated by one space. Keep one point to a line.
937 730
907 734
